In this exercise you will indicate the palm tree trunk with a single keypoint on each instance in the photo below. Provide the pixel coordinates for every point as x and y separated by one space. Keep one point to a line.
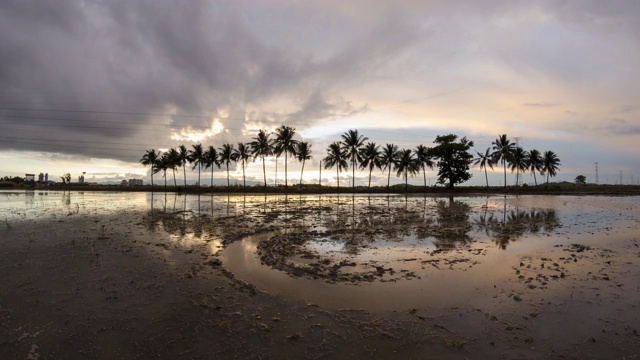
198 174
211 175
534 177
184 170
175 184
264 172
285 168
389 178
301 172
320 177
370 170
353 174
406 181
151 177
244 179
485 176
227 174
424 173
504 163
338 176
276 180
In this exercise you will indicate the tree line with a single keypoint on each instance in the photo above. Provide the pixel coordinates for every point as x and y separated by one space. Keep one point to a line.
451 155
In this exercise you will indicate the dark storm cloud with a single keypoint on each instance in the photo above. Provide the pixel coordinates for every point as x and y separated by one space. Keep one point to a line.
131 59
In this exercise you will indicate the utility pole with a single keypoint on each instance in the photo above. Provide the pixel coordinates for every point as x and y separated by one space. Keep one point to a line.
597 180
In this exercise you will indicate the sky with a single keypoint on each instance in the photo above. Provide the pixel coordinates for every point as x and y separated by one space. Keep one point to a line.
88 86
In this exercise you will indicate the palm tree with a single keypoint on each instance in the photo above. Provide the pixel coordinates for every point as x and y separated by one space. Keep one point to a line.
389 159
262 146
336 157
519 161
550 164
242 154
162 164
535 163
183 155
407 164
285 144
150 158
502 150
226 156
210 159
303 153
196 157
352 142
424 160
371 158
485 160
173 162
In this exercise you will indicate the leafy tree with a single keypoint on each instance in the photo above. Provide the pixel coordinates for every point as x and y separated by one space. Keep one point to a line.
502 151
285 144
242 154
303 153
389 159
66 178
352 142
150 158
196 157
336 157
371 158
484 160
453 159
424 160
210 159
262 146
407 165
519 161
550 164
536 163
581 180
226 156
183 155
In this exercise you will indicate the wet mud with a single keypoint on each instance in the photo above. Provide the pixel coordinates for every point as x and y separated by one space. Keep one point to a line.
97 275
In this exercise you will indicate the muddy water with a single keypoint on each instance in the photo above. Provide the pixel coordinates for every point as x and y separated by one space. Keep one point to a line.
514 277
462 252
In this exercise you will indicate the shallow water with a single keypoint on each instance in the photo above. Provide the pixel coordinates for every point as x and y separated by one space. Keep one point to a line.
387 252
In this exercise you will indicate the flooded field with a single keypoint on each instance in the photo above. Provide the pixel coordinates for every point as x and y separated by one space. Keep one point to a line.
104 275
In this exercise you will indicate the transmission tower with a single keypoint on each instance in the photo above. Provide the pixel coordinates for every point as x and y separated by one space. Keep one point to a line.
597 180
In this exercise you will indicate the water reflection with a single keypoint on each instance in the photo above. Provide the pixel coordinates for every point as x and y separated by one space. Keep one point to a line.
516 223
355 221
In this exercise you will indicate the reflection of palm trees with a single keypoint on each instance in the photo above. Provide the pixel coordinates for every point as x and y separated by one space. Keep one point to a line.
517 223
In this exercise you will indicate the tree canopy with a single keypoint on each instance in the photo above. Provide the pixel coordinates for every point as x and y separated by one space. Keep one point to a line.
453 159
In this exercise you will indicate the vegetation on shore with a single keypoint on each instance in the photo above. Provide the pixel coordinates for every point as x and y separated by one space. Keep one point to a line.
450 155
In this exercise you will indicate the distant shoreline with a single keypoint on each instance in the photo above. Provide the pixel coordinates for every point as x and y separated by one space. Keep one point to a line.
551 189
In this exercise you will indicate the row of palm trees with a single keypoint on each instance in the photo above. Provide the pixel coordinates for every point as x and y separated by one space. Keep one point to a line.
198 157
504 151
352 150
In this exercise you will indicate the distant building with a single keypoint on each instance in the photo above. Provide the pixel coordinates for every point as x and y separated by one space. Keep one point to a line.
41 177
132 182
81 179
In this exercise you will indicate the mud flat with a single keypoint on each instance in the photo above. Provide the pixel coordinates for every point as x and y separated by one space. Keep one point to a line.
139 275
